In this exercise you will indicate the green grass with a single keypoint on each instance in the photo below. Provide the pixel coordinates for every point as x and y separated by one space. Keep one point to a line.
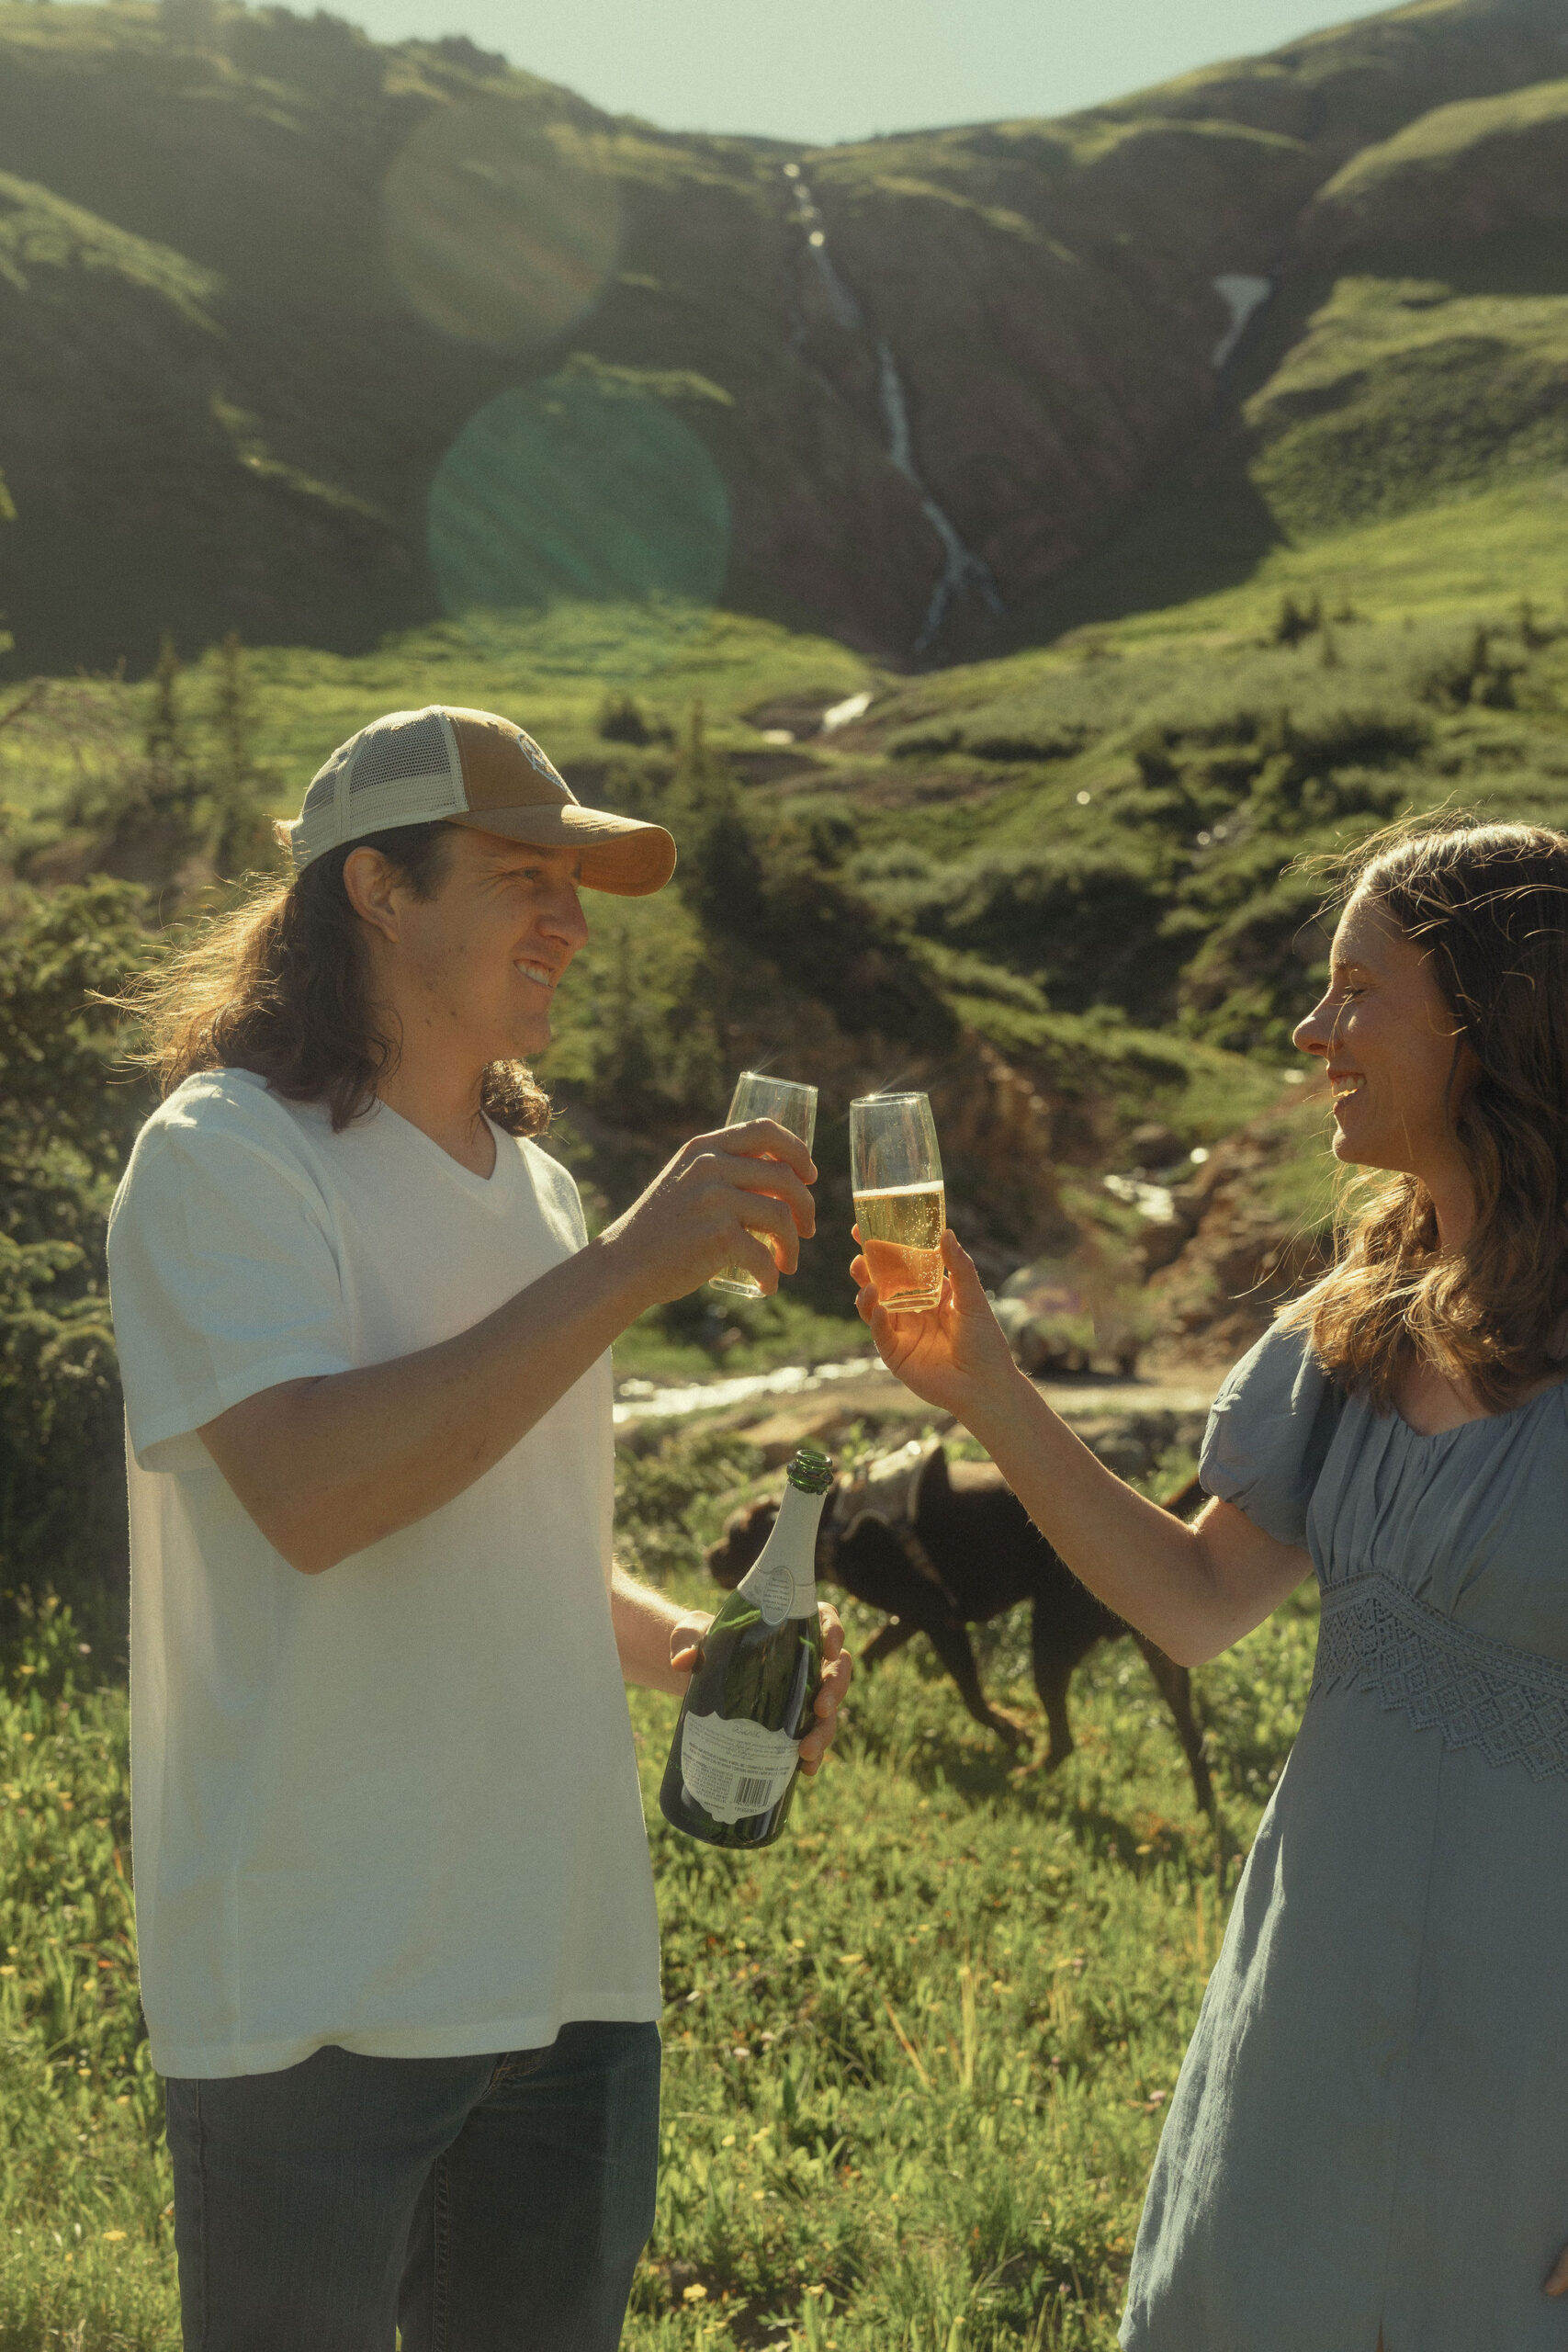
552 675
1403 391
1435 142
917 2055
715 1331
41 230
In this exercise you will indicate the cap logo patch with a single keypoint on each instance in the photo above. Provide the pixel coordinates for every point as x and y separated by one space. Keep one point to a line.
537 758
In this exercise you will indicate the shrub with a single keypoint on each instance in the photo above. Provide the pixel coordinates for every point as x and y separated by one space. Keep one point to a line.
622 719
65 1130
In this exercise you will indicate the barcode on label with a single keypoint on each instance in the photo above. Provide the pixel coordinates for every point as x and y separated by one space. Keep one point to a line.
735 1794
734 1767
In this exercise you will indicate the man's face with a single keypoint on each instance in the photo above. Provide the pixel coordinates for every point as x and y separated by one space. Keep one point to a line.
475 968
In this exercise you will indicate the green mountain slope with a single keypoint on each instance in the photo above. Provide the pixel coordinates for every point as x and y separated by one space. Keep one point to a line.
1459 172
1019 324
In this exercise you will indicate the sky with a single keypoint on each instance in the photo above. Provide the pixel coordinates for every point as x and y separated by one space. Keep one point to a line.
817 71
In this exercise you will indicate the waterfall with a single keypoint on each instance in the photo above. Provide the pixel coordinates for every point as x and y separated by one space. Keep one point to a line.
962 568
841 301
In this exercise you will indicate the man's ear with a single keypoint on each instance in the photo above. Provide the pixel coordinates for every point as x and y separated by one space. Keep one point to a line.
371 884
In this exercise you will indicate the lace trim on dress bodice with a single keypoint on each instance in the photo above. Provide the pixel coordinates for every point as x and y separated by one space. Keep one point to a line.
1477 1692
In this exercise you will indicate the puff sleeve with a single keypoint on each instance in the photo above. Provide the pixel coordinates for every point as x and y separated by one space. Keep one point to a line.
1270 1433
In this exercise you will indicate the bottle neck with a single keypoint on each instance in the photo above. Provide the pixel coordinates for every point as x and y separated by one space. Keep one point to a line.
782 1580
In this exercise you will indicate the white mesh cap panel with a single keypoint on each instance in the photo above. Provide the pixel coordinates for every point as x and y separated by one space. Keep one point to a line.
317 827
388 754
323 783
401 770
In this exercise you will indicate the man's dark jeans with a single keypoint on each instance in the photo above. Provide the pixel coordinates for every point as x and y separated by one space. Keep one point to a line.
476 2204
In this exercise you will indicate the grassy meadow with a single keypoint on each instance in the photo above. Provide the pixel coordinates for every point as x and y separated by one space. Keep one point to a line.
917 2055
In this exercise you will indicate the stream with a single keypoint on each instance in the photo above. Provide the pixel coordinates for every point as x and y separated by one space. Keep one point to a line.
645 1400
962 568
1189 1389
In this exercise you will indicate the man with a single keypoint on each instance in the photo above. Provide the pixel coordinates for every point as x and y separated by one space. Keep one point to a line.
398 1950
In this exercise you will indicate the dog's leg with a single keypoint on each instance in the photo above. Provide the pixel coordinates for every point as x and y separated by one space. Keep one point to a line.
950 1643
1053 1677
1175 1688
887 1640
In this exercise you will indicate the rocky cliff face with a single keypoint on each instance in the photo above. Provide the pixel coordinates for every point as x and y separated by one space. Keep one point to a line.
257 276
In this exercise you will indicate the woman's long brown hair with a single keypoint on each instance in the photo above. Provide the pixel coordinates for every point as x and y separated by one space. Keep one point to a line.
278 985
1488 906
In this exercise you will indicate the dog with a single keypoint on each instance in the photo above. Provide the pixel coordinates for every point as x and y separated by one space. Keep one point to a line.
939 1546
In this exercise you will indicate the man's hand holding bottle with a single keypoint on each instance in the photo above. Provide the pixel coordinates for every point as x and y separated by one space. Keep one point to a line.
686 1636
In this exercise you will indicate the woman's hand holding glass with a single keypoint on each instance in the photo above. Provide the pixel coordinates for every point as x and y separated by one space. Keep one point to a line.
956 1356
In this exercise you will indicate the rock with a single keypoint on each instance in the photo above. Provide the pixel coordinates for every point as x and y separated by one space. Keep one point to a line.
1154 1146
1253 1242
821 1421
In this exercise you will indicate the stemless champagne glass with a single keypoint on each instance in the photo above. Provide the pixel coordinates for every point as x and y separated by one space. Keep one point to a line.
758 1096
900 1200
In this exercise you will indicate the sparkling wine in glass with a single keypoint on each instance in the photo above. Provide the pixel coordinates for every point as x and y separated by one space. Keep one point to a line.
900 1200
757 1096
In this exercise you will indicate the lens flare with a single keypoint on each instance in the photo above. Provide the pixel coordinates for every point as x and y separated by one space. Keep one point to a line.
501 229
581 489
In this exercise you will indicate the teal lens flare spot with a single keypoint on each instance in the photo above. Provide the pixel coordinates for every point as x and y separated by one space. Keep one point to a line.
581 489
501 229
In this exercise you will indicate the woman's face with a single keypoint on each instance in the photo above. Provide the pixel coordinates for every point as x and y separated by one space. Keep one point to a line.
1394 1062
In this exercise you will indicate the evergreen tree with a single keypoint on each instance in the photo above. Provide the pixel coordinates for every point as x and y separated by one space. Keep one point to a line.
241 834
164 740
720 873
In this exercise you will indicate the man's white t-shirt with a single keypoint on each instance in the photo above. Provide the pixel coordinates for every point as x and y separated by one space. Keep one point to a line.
394 1806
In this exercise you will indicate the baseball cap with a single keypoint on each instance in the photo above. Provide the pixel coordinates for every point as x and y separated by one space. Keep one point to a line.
468 767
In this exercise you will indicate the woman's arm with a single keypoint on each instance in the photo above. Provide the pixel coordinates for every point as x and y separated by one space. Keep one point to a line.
1193 1590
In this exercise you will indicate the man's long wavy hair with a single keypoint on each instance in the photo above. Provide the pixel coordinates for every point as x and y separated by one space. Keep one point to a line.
279 984
1488 907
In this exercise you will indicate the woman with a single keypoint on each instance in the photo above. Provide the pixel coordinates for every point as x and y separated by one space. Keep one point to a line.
1369 2141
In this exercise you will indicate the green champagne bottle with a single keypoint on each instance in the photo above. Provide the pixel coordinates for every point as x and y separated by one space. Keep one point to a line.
734 1761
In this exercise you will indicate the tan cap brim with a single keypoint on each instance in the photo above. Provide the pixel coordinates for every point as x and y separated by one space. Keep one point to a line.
621 855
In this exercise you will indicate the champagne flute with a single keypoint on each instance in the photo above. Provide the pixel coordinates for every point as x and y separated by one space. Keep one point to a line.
900 1200
757 1096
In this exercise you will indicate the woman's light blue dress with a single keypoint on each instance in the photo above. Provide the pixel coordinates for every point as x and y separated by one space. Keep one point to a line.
1371 2127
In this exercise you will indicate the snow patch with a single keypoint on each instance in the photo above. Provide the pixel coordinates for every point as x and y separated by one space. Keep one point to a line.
1242 294
842 713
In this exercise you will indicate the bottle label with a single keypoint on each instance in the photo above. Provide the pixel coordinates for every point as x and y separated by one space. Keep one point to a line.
733 1766
774 1593
782 1580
